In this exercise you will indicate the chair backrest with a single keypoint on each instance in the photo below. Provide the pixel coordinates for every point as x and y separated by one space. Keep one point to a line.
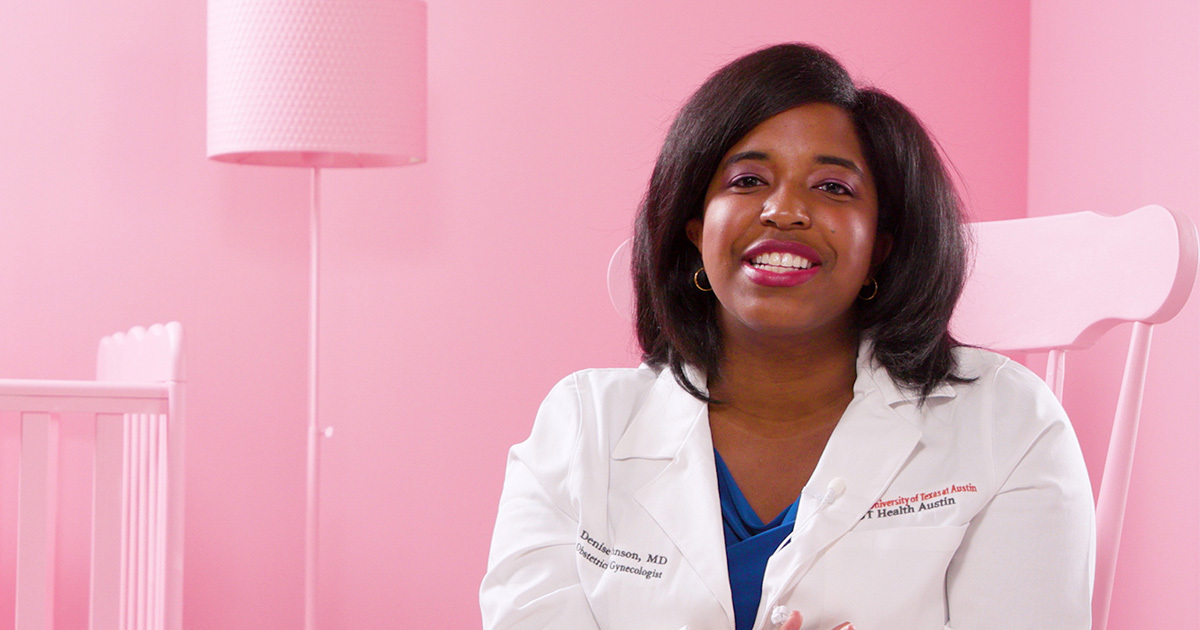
1058 283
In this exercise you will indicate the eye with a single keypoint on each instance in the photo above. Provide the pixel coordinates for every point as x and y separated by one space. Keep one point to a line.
835 188
747 181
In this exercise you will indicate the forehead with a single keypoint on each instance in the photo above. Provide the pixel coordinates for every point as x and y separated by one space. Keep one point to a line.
811 128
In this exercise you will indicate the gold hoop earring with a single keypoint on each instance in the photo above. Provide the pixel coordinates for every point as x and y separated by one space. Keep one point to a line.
696 280
874 291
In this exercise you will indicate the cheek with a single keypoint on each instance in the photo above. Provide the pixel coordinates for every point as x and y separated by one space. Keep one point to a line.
715 232
726 218
711 252
860 238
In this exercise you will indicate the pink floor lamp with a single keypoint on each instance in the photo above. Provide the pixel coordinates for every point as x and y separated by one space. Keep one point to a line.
316 84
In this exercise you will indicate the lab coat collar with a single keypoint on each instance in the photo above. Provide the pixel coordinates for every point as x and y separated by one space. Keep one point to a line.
658 428
873 376
662 422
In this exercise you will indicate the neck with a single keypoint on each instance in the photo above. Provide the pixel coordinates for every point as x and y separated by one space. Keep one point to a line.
787 385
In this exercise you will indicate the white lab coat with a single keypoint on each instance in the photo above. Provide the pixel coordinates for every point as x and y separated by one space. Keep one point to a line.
971 512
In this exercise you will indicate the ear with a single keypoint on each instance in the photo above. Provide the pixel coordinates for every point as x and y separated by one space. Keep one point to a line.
883 247
695 232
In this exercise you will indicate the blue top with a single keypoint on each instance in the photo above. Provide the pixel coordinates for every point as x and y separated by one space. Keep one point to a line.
748 544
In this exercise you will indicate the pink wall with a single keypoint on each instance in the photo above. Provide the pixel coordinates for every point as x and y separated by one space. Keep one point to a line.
1115 124
457 291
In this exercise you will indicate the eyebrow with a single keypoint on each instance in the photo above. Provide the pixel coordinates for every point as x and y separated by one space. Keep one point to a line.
745 155
820 159
837 161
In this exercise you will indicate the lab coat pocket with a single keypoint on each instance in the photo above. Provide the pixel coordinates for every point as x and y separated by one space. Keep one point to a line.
892 578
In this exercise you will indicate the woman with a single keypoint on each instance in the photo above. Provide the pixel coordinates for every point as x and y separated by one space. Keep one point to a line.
806 445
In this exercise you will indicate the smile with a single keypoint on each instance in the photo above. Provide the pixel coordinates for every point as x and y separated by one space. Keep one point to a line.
780 262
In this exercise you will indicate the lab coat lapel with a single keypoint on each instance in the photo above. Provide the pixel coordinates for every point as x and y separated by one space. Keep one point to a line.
875 437
682 498
863 456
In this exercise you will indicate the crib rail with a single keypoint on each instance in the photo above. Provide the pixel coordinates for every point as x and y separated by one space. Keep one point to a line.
132 479
82 396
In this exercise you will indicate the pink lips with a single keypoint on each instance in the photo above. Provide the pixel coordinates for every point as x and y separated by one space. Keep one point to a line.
770 278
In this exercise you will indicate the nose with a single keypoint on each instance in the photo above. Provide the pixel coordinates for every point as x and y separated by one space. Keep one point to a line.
785 210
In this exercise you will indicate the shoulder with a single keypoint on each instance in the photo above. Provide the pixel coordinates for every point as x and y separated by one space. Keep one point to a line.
601 391
999 401
996 380
606 382
591 401
1001 414
1009 404
580 421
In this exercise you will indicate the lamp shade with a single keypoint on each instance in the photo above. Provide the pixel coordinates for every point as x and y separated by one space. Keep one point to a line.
317 83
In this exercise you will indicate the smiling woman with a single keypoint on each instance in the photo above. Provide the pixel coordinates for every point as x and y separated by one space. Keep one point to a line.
806 445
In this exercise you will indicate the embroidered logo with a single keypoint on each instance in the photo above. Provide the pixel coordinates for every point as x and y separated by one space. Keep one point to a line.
617 560
919 502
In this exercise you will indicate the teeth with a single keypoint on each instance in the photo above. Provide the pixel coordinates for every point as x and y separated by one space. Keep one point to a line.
785 261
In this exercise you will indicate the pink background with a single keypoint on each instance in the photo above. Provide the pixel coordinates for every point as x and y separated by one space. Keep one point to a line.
1114 123
458 291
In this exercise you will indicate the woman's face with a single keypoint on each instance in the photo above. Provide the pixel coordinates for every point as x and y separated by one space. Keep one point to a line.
788 232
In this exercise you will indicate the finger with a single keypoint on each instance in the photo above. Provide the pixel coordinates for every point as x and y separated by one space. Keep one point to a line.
794 621
845 626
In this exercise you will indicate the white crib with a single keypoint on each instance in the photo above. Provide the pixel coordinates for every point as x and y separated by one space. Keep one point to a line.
136 511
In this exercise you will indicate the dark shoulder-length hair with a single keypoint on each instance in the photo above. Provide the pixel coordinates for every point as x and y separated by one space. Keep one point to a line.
919 282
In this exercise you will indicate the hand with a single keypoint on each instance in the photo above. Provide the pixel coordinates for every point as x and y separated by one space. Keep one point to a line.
795 619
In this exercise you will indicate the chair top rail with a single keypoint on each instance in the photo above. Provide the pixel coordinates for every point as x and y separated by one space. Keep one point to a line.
58 396
1092 272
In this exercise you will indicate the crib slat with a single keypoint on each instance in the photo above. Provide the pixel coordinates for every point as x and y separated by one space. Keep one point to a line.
173 567
129 529
159 541
10 468
143 509
37 502
128 496
107 515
